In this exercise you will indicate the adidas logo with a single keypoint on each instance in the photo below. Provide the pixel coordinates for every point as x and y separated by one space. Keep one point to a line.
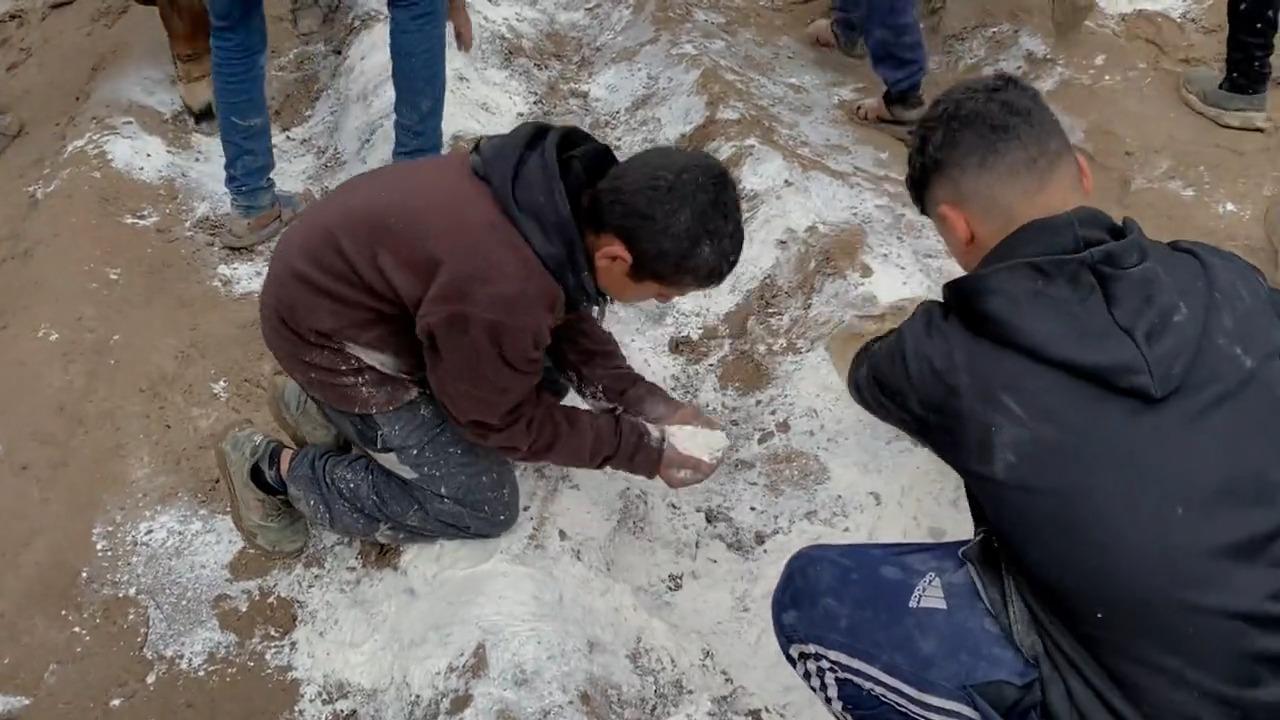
928 594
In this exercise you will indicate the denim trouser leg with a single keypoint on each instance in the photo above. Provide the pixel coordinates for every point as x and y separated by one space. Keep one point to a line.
418 74
894 41
410 477
238 38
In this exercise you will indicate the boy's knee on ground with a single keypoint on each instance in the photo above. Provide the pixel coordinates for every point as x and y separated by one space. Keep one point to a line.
798 586
495 509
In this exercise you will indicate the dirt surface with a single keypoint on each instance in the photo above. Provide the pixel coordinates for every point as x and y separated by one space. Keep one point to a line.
114 342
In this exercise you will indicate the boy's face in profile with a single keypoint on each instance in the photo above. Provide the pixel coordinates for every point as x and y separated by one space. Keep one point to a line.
612 263
625 290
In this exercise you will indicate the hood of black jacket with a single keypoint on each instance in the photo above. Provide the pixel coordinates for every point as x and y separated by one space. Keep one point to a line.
540 175
1092 296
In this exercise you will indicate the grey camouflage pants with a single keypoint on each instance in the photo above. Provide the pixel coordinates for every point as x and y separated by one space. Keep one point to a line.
410 476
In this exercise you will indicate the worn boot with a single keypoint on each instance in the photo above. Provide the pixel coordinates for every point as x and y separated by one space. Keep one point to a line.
10 128
246 232
268 523
298 415
1201 92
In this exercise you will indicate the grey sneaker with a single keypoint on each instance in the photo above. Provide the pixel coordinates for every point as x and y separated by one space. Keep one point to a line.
1201 93
269 524
246 232
298 415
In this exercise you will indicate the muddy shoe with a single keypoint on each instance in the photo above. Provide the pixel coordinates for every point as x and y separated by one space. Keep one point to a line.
1201 93
298 415
10 128
246 232
268 523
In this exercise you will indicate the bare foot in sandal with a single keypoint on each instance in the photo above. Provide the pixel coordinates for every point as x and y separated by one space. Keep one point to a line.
822 32
892 118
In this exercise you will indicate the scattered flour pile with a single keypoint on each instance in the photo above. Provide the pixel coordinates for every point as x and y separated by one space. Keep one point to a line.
615 596
702 443
11 705
1176 8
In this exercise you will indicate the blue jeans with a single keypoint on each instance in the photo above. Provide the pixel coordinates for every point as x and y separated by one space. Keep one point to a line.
238 38
893 38
887 632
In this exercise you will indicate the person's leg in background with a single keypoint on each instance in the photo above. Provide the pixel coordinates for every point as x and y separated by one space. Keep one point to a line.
896 631
418 75
1238 99
238 39
895 44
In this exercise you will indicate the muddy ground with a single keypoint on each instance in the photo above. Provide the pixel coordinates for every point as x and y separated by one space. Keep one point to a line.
112 333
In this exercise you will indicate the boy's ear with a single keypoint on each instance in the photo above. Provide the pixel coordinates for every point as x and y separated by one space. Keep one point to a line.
1086 174
954 226
612 254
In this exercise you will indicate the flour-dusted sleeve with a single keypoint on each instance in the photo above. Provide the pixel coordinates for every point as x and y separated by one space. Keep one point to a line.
590 355
484 372
904 377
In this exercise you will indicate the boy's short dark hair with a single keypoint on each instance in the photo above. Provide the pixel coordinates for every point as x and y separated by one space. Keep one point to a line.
678 213
992 135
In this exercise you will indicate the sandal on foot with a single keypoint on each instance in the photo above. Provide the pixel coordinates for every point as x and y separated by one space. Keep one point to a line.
822 32
894 119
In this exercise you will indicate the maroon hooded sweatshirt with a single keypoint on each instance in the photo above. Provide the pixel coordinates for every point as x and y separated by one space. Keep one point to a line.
460 276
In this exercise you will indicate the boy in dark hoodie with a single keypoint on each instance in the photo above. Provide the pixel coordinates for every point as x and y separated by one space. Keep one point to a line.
431 316
1111 404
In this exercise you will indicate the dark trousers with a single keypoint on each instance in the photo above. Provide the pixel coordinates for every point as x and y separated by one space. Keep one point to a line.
409 476
1251 38
893 38
887 632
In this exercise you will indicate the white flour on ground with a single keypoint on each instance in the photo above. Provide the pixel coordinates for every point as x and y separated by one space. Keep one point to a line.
703 443
11 705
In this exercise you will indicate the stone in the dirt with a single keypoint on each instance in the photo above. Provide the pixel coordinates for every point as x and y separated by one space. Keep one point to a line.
10 128
1069 15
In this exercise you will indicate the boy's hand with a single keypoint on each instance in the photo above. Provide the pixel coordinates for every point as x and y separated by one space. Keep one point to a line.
461 21
679 470
678 413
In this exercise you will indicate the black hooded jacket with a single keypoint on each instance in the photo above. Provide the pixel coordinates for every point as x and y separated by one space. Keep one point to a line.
1112 404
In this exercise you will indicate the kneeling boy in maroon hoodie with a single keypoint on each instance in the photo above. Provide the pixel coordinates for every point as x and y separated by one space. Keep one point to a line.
431 316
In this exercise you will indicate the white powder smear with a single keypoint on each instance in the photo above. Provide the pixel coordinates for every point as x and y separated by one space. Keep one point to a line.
703 443
11 705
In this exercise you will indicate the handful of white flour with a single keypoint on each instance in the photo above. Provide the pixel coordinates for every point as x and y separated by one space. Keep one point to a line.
700 442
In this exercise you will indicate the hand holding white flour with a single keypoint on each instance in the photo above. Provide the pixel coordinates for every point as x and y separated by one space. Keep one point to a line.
691 455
